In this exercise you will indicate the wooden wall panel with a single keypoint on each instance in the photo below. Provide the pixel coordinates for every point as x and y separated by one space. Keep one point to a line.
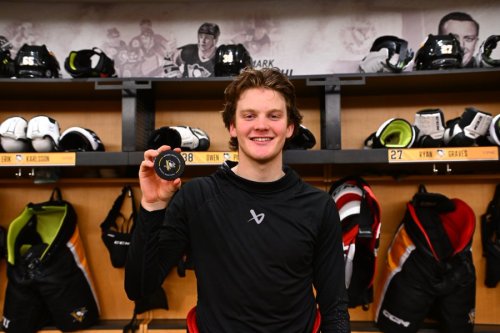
361 116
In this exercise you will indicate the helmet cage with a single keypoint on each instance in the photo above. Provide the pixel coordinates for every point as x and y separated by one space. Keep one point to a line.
397 46
487 48
79 64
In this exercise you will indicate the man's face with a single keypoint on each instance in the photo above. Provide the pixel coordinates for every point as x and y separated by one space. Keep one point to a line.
206 42
261 125
466 33
146 39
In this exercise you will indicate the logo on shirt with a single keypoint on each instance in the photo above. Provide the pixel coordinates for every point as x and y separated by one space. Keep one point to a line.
258 218
5 322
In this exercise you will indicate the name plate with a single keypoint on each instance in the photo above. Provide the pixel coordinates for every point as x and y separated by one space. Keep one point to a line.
444 154
208 158
38 159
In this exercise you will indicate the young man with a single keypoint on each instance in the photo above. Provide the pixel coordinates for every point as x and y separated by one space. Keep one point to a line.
465 29
198 60
259 237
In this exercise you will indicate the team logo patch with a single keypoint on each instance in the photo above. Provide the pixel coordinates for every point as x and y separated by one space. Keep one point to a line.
79 314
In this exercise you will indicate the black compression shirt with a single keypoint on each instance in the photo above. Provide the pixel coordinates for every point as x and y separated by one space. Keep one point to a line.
258 249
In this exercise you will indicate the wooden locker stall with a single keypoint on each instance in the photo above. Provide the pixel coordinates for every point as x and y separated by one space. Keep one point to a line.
124 112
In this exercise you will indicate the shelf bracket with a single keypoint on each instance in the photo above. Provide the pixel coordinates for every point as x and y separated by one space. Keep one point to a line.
137 110
138 115
130 85
330 110
330 118
331 135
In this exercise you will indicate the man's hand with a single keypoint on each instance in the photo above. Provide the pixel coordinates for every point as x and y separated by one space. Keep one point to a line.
156 192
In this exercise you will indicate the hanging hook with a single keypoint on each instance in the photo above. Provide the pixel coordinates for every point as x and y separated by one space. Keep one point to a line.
434 169
32 172
448 169
19 173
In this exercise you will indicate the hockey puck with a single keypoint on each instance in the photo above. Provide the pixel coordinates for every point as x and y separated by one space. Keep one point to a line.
169 165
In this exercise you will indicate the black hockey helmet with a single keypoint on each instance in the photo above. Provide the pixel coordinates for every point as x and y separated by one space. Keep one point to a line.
303 139
439 52
209 29
231 59
5 45
397 46
487 48
80 139
7 68
89 63
35 61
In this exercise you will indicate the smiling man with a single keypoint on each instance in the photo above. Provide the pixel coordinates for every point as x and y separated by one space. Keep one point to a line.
198 60
465 29
266 246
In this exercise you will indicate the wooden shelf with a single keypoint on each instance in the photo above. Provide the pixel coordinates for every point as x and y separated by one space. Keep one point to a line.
371 161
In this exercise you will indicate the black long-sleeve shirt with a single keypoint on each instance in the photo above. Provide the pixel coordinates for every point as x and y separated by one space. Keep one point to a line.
258 249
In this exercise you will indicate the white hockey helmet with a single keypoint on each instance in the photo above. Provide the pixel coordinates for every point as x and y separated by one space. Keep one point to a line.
44 133
13 135
80 139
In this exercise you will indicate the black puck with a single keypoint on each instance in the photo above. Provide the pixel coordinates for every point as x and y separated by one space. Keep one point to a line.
169 165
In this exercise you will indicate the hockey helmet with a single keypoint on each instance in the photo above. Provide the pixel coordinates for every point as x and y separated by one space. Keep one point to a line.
494 130
89 63
486 50
7 68
209 29
5 45
231 59
80 139
303 139
13 135
44 133
35 61
184 137
395 46
439 52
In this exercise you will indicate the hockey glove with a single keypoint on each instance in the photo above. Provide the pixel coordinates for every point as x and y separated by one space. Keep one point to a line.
430 128
466 129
